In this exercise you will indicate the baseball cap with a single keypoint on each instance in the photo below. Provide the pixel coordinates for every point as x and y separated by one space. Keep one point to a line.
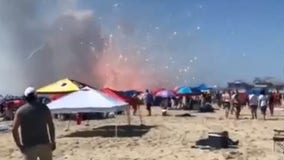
28 91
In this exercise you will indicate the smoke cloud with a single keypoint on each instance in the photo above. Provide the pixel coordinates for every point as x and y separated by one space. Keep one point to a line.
40 46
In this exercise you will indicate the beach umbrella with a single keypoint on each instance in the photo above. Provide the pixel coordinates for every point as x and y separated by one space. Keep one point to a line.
165 94
184 90
156 90
188 90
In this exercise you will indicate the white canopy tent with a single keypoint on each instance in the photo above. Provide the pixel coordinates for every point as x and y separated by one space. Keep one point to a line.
87 100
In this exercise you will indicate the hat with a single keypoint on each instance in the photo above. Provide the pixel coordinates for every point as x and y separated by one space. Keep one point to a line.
29 91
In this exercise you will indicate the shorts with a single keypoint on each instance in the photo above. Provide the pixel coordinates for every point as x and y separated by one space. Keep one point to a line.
253 107
263 109
42 151
227 105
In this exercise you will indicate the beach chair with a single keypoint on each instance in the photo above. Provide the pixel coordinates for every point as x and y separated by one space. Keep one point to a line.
278 140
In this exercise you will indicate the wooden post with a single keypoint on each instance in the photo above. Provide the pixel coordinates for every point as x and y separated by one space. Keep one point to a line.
140 115
128 116
115 128
68 125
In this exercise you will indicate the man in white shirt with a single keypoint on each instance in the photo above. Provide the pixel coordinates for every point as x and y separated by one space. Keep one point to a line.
253 103
262 103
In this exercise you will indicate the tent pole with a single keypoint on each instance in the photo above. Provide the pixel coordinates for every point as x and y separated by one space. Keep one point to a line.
140 115
115 129
128 116
68 124
88 122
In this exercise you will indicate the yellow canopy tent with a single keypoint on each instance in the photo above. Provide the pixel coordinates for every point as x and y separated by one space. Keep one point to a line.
62 86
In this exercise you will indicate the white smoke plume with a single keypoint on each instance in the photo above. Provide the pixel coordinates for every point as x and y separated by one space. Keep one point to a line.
42 41
35 51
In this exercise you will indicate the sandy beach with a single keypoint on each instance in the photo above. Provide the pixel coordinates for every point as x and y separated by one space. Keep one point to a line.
167 138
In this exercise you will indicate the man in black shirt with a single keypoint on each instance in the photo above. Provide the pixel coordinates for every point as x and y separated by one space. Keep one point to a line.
37 141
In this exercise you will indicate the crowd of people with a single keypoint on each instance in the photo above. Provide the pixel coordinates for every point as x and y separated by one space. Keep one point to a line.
233 103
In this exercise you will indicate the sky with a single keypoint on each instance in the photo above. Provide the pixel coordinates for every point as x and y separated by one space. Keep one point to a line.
140 43
231 39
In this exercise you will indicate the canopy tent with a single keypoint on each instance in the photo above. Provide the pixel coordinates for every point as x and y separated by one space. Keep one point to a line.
116 94
87 100
61 86
122 97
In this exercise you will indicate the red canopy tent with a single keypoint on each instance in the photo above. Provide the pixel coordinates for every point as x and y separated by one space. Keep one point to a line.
116 94
120 96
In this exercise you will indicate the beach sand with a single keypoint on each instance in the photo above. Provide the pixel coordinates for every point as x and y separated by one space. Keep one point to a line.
163 138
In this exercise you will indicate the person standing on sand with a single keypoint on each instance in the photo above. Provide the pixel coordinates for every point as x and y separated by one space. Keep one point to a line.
262 103
236 104
253 103
226 99
148 99
36 128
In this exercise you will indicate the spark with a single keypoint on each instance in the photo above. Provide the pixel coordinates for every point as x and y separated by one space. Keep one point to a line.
93 48
35 51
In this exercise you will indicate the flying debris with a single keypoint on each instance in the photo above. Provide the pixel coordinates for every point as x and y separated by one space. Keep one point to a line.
93 49
175 33
115 5
125 59
35 51
198 28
